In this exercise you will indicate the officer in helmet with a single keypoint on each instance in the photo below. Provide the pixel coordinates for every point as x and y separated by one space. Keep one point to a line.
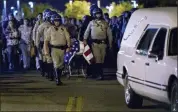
92 7
39 62
87 19
45 13
59 40
100 32
41 32
47 58
37 24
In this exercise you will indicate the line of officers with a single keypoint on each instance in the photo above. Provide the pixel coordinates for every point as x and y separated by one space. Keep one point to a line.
52 40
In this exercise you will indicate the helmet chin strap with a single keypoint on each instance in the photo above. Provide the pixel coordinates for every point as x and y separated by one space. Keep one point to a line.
99 18
58 25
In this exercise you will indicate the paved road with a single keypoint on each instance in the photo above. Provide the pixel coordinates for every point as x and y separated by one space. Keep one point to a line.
31 92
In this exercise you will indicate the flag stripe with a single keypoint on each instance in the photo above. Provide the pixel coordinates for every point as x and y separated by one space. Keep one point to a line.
86 53
89 57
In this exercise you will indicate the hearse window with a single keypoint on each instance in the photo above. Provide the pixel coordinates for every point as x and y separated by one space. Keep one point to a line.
173 43
146 40
158 45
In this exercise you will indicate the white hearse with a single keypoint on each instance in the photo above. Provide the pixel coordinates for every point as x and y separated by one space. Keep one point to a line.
147 60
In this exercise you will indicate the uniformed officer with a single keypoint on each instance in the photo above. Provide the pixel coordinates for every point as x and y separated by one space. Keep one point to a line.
25 42
100 33
37 24
42 29
59 40
92 7
86 21
48 58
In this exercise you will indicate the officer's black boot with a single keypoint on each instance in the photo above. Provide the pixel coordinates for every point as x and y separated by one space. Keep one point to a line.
42 68
50 71
100 72
46 69
95 72
89 71
58 76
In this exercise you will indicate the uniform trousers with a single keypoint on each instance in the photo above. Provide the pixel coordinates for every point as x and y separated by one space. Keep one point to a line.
99 52
57 57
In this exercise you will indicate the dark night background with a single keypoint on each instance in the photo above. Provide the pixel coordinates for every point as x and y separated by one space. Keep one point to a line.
59 4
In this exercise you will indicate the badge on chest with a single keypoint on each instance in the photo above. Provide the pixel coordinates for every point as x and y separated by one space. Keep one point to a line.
58 31
100 25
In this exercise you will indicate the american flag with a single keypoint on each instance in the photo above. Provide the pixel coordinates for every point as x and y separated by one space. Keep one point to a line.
87 54
69 55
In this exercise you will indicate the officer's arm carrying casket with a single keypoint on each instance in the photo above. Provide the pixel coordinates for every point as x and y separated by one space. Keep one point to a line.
46 41
34 37
35 31
68 39
40 32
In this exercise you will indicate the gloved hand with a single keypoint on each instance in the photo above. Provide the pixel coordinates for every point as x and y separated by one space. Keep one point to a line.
68 49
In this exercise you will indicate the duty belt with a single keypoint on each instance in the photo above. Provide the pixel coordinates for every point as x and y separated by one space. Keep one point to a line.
62 47
99 41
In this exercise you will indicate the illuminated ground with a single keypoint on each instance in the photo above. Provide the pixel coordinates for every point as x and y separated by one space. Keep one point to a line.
31 92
